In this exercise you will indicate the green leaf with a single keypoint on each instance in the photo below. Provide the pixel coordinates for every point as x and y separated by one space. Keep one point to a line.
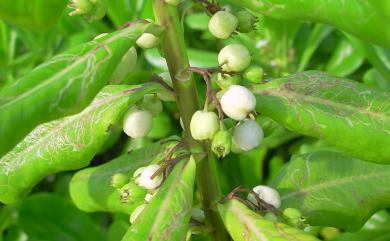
118 227
168 214
345 59
61 86
374 78
244 224
65 144
47 217
318 34
91 188
37 15
347 114
335 190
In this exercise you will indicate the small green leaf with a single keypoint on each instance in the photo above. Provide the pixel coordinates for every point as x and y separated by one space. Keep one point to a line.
61 86
244 224
168 214
335 190
48 217
91 188
65 144
347 114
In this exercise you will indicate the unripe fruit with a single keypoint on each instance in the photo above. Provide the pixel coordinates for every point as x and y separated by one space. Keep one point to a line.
222 143
173 2
197 214
234 58
130 192
145 179
91 9
152 103
135 214
118 180
267 194
137 123
248 135
293 216
204 125
246 21
237 102
226 80
254 74
147 41
125 66
222 24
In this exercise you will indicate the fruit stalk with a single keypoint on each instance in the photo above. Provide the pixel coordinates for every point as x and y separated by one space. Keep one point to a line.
173 49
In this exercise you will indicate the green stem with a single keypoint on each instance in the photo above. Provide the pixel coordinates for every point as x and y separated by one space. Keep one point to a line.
173 49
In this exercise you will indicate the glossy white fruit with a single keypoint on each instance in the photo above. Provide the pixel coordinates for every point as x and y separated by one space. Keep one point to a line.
137 123
135 214
234 58
222 24
248 135
145 179
204 125
237 102
267 194
147 41
137 174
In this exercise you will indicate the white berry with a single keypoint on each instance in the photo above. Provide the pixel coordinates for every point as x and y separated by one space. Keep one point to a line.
237 102
234 58
222 24
135 214
248 135
137 123
267 194
204 125
145 180
147 41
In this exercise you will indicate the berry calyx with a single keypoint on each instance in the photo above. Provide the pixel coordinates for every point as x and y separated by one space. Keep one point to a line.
222 24
234 58
147 41
222 143
248 135
267 194
137 123
145 179
237 102
204 125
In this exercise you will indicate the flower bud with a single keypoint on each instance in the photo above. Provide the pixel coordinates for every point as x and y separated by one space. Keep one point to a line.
222 143
145 179
152 103
246 21
267 194
248 135
222 24
237 102
197 214
204 125
147 41
118 180
226 80
234 58
92 9
293 216
125 66
137 211
137 123
254 74
131 192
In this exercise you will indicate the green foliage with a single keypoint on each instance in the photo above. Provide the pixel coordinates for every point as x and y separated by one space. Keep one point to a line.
332 189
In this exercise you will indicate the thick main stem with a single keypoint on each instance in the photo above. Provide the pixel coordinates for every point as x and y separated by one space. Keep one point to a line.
173 49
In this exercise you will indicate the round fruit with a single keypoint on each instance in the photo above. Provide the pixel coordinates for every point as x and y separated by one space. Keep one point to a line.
147 41
137 123
222 143
248 135
267 194
204 125
254 74
246 21
234 58
237 102
118 180
145 179
222 24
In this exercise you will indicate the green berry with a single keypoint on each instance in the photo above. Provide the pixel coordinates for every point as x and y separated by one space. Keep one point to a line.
118 180
222 143
234 58
246 21
254 74
222 24
226 80
293 216
152 103
91 9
